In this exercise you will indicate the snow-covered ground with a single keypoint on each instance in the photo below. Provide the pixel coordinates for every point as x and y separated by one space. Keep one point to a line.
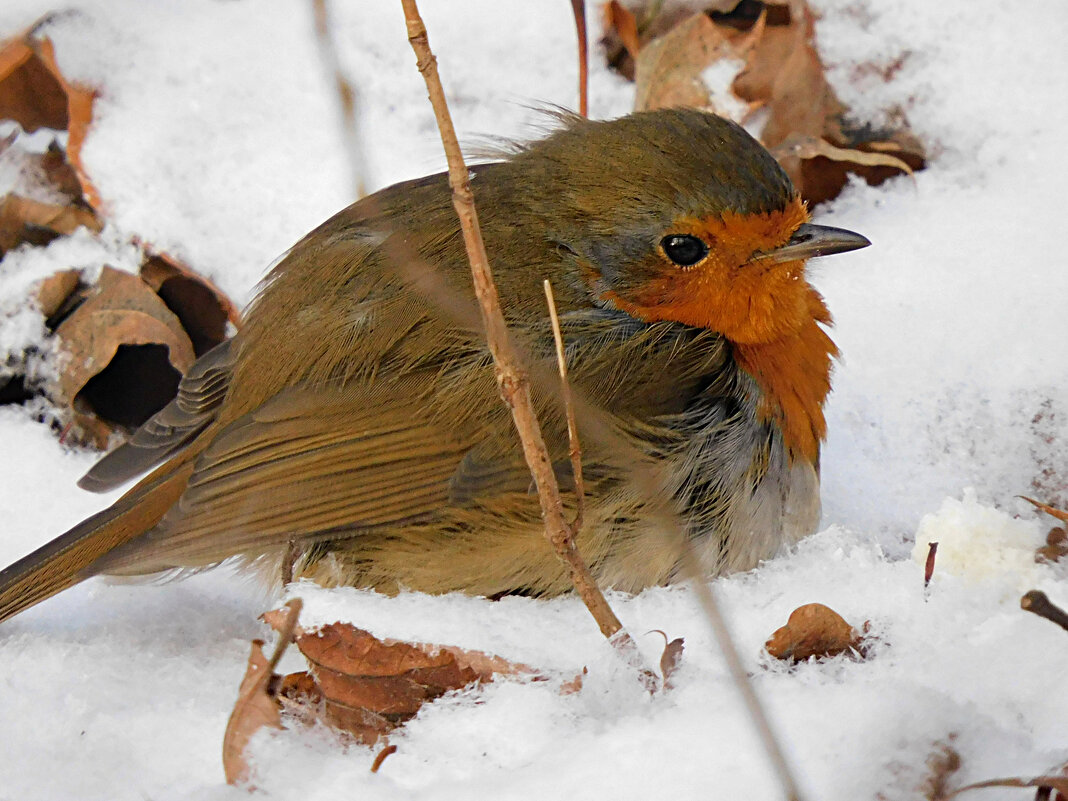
216 138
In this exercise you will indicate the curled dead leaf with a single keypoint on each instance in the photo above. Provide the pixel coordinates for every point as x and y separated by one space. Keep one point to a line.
813 630
624 24
203 308
52 292
762 58
127 352
257 705
366 686
254 709
35 93
26 221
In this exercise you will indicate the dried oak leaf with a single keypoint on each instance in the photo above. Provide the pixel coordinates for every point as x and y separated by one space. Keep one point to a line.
35 93
813 630
202 307
367 686
23 220
127 352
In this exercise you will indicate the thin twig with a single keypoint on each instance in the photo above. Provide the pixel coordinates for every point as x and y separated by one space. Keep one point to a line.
385 752
707 599
285 632
574 446
579 9
1038 603
347 96
511 378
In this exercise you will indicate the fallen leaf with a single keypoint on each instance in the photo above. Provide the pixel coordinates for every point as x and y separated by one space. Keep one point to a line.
126 350
35 93
23 220
366 686
257 705
623 23
203 308
1056 546
813 630
668 71
670 659
761 57
52 292
254 709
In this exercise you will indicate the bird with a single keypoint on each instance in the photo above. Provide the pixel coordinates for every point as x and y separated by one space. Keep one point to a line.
352 428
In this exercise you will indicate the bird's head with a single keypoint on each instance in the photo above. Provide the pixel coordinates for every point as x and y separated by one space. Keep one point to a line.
681 215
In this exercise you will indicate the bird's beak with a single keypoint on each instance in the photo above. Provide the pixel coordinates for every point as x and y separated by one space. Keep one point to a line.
810 241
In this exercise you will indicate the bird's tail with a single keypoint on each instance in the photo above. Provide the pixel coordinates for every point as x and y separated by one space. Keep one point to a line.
69 559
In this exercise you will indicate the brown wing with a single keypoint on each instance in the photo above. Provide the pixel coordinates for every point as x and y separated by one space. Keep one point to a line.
306 465
200 393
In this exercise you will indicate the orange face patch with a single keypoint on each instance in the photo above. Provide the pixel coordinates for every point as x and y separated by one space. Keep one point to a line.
767 310
746 302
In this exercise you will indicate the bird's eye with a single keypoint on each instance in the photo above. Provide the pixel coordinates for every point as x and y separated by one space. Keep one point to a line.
683 249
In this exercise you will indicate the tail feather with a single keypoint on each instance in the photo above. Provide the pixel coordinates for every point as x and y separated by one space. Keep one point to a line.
70 558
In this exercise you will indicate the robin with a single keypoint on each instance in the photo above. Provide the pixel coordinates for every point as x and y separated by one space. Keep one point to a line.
354 420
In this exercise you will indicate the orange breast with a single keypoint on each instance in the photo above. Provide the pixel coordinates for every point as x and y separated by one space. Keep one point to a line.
794 374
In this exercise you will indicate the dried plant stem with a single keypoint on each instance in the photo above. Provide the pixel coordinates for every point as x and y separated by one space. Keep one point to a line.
511 378
574 447
1038 603
579 8
347 96
707 599
928 569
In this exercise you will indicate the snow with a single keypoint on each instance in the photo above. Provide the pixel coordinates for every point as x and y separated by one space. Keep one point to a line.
217 139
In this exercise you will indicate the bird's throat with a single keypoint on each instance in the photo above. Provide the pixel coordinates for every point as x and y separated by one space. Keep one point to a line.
794 376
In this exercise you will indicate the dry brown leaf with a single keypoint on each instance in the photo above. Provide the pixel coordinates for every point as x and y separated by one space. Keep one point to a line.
52 292
366 686
623 23
254 709
1056 546
202 307
257 703
23 220
670 657
668 69
784 78
813 630
122 337
35 93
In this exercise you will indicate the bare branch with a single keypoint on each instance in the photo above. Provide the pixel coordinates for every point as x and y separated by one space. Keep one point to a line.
347 96
579 8
511 378
722 633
